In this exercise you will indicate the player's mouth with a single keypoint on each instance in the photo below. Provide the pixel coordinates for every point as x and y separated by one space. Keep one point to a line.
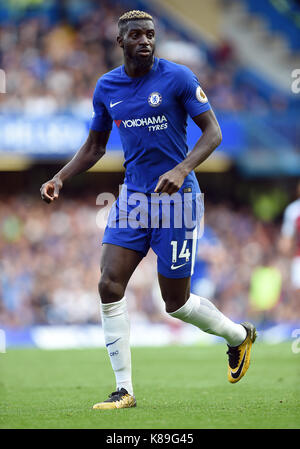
144 52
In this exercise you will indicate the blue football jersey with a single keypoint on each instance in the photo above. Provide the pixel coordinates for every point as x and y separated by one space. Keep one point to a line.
151 114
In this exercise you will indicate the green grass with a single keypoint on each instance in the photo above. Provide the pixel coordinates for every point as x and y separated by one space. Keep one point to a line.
176 388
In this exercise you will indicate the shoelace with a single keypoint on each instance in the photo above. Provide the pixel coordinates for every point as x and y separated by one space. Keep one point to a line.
115 393
234 356
120 393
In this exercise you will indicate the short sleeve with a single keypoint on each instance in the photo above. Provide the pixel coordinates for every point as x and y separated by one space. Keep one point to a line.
101 120
190 93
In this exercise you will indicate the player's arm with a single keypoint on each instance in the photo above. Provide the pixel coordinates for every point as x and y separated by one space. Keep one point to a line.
210 139
171 181
90 153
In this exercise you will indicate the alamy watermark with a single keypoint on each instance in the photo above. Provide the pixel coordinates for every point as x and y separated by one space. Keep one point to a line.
296 342
295 86
155 210
2 82
2 341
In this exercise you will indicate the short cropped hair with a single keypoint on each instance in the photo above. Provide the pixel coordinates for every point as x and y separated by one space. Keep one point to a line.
132 15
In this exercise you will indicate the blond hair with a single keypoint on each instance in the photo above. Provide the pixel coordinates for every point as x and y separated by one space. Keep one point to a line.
135 15
132 15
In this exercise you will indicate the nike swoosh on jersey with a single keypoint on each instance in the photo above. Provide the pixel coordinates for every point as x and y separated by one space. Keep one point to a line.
114 104
173 267
238 372
108 344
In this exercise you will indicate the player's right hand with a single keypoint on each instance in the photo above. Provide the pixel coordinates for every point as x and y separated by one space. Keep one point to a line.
50 190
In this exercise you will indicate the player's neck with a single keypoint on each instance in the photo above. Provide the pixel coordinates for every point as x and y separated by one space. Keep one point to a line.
135 70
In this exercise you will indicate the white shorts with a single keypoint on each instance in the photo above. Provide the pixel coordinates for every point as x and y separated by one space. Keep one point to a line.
295 273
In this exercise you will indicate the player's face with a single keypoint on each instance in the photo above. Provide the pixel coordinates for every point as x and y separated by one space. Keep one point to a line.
138 42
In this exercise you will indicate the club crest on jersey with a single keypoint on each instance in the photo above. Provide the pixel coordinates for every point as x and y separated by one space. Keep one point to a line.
155 99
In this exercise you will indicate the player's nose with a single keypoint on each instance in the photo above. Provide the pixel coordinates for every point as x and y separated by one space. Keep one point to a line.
144 40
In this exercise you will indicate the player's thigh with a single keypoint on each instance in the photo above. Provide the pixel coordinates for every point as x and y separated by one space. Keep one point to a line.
119 260
175 291
117 265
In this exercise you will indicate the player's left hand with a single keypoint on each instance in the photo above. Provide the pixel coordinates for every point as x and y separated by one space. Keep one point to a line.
171 181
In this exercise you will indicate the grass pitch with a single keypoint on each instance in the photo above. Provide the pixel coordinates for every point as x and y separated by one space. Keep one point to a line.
176 388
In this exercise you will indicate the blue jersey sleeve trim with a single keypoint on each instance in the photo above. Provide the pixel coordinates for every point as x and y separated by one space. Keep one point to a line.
204 108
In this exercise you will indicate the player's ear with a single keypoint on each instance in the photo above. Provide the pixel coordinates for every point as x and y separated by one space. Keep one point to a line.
120 41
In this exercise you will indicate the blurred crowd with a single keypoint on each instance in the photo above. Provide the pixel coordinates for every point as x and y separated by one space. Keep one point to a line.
52 65
49 265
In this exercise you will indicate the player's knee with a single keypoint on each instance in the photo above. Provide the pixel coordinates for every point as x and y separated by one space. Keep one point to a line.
174 302
110 290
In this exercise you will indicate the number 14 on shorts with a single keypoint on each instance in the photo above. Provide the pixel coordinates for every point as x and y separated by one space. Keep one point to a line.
183 254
